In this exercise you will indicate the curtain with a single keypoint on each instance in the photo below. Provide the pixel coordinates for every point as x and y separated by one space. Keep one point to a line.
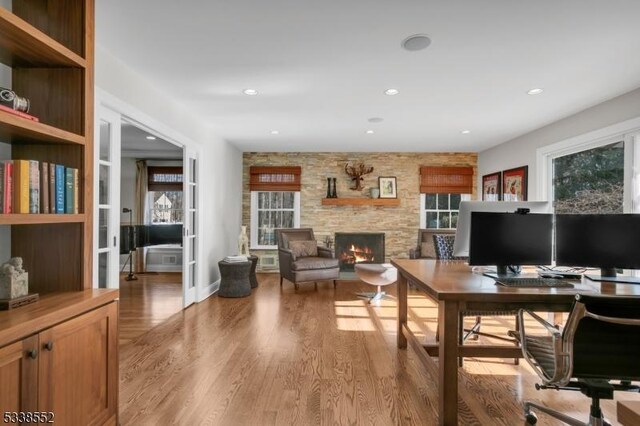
140 209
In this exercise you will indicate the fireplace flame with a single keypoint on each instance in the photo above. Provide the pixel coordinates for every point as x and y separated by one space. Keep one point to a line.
355 254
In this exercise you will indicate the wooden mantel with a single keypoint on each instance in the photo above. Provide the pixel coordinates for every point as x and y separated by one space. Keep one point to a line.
387 202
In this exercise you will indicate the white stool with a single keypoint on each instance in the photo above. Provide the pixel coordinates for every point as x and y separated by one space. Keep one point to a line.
378 274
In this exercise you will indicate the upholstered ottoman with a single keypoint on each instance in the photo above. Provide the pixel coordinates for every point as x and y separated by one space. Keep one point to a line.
377 274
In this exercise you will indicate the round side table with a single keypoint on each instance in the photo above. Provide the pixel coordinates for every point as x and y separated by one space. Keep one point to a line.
234 279
252 274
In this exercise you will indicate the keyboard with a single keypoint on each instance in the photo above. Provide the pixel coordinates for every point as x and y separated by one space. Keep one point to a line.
533 282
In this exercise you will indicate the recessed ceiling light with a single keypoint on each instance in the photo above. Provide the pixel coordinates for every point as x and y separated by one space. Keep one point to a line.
535 91
375 120
465 132
391 92
250 92
151 138
275 132
416 42
369 132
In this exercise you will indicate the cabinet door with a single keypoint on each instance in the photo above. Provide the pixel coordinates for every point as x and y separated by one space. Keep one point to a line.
19 376
79 369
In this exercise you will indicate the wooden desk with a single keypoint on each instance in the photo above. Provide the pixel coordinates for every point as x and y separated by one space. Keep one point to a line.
455 288
629 413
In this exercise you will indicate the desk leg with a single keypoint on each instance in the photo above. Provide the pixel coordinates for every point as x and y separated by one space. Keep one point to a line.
402 310
448 362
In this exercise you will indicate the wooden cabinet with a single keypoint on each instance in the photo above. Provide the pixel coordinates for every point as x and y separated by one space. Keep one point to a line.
69 369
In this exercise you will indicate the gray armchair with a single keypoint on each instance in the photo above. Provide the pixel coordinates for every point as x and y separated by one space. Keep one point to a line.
299 268
425 247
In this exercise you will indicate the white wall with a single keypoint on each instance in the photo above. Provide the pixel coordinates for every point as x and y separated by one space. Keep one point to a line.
522 150
220 171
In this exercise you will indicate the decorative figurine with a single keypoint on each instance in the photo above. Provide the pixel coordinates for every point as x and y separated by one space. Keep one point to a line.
243 242
14 281
329 188
334 193
356 172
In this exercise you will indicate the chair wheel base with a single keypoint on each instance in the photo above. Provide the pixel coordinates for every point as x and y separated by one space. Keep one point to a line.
530 419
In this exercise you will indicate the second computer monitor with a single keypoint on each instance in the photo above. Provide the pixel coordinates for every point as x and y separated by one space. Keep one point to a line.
510 239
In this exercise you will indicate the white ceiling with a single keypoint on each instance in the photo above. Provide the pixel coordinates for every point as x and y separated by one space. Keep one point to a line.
136 145
321 66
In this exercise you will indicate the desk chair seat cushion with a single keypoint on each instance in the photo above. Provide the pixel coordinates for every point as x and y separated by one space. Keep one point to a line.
309 263
304 248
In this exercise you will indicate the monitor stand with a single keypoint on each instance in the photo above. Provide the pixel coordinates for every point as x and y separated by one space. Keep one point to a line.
610 275
508 271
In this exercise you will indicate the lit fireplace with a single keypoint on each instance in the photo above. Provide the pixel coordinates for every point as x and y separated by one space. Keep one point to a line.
359 247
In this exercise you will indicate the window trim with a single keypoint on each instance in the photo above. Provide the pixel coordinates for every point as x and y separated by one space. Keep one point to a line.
423 209
627 131
253 228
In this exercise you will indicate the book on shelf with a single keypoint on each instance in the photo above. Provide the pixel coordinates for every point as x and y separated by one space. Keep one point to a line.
34 187
59 188
52 188
18 113
233 259
44 187
76 190
1 186
68 190
7 184
21 186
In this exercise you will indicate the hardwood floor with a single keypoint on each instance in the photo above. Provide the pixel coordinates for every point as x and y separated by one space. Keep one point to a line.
147 302
312 357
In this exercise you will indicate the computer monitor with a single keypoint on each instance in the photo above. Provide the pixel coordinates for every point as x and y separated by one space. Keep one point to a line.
510 239
605 241
463 229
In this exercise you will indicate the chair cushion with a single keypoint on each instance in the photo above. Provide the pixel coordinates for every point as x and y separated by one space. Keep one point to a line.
427 250
540 347
304 248
308 263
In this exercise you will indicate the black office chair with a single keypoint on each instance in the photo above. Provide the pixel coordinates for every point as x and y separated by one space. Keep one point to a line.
599 344
443 245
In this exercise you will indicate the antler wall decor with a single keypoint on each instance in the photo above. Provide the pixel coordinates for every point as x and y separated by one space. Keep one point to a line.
356 172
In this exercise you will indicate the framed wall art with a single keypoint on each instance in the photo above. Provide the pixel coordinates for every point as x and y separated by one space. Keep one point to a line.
492 187
514 184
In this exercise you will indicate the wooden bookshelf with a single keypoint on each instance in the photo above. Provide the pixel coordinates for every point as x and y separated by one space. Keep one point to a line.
380 202
71 331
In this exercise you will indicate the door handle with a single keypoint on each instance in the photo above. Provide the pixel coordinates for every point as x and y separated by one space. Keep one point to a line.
114 241
49 345
33 353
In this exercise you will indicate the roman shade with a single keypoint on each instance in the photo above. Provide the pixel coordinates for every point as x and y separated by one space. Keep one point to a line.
446 180
164 178
275 178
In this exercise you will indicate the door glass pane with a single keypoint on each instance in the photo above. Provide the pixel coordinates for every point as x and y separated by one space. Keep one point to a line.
103 267
192 201
105 140
103 227
193 224
103 185
192 249
192 169
192 275
590 181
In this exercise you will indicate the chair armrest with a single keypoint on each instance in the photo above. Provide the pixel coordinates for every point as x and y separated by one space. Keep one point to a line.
415 253
325 252
562 366
287 253
549 327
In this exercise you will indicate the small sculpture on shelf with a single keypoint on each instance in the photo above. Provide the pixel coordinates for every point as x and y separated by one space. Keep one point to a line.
328 242
14 280
243 242
331 188
334 193
356 172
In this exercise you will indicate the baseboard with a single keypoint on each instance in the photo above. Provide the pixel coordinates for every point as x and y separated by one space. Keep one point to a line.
209 290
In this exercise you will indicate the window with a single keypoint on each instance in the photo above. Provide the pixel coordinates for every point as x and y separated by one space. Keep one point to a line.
590 181
165 194
165 207
271 210
440 211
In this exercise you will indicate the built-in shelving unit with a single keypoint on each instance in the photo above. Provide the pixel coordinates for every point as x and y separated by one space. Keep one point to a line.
71 331
388 202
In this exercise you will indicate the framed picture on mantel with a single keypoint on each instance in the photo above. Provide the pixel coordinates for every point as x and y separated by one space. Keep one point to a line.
492 187
388 187
514 184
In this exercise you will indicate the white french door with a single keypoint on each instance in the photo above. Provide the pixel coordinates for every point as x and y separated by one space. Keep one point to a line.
190 243
106 234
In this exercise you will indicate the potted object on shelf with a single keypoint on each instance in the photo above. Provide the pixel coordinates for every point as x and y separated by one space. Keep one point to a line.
375 192
14 285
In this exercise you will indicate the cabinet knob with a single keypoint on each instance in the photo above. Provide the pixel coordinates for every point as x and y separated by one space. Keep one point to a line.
33 353
49 345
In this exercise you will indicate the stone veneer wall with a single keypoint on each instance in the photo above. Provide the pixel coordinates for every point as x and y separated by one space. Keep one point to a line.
400 224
